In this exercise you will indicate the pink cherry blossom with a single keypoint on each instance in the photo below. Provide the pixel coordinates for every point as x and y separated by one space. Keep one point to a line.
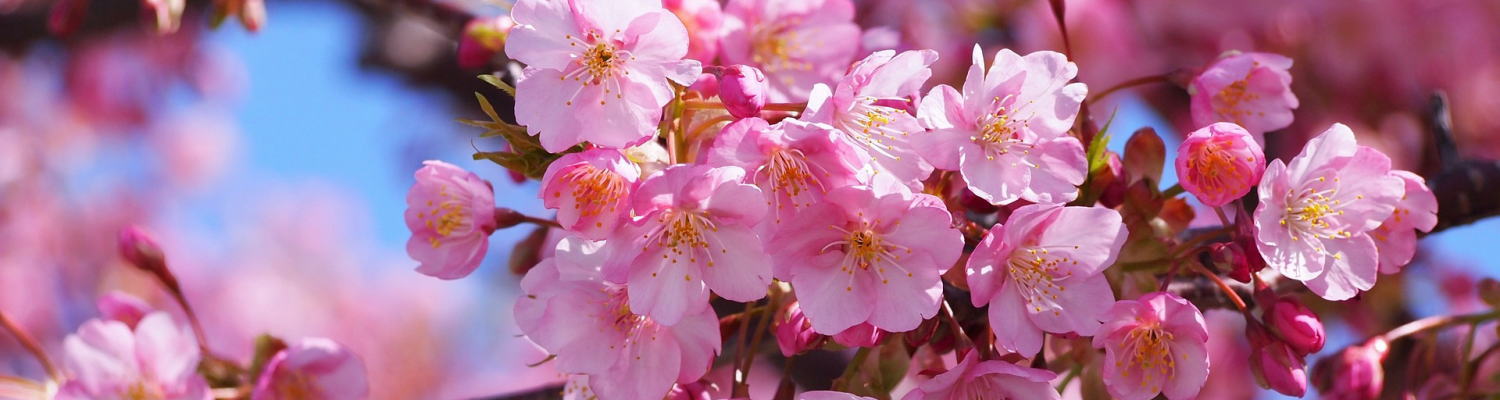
1397 237
873 105
796 44
1355 373
1219 163
794 162
704 21
992 379
794 335
862 256
742 88
694 233
588 323
1252 90
313 368
590 191
1155 344
451 213
1316 213
158 360
598 71
1298 326
830 395
1040 271
862 335
1007 131
1279 367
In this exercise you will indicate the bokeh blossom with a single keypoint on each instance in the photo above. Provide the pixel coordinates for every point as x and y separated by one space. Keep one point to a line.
1219 163
1252 90
796 44
694 233
860 257
1007 131
312 368
598 71
451 213
1154 344
1041 271
704 21
156 360
1316 213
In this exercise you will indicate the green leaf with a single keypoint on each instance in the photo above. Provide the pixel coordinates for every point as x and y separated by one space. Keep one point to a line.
880 372
1096 155
498 83
489 110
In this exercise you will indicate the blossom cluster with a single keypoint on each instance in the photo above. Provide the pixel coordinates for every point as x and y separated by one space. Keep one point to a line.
846 198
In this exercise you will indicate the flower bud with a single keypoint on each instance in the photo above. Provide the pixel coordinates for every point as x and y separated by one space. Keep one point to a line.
1354 373
1219 163
794 333
742 88
1280 368
1297 325
862 335
140 250
482 39
1230 257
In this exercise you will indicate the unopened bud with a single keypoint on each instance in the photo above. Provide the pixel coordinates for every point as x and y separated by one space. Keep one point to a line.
1297 325
742 88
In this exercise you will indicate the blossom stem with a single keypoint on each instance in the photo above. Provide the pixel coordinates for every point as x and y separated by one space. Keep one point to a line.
1181 249
1224 219
1163 78
842 383
1224 287
1437 322
743 389
541 221
1173 191
740 379
192 316
32 346
1468 348
958 331
708 124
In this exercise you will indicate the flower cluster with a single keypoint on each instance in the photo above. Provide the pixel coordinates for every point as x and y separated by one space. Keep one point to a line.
837 199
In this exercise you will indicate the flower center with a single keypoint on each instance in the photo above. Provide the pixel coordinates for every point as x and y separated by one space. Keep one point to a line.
865 250
868 125
615 312
1038 273
786 174
595 191
1231 97
142 391
773 47
1149 348
1217 171
600 63
294 385
684 234
445 217
1312 212
1000 132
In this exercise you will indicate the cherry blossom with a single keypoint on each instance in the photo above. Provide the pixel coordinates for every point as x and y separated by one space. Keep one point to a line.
1252 90
451 214
797 44
313 368
1155 344
1396 238
590 191
1317 211
1007 131
597 71
156 360
1219 163
694 233
861 256
794 162
974 379
589 324
873 105
1040 271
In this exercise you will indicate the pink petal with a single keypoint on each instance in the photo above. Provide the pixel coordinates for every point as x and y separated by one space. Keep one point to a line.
1353 271
1014 330
540 39
1192 369
1079 307
833 300
665 290
741 270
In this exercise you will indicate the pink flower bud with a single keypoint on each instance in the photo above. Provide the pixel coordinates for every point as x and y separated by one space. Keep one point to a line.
1280 368
862 335
1219 163
482 38
794 333
1353 374
140 249
120 306
1297 325
1230 256
742 88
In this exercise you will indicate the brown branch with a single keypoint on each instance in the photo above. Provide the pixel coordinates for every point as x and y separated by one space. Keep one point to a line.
1467 190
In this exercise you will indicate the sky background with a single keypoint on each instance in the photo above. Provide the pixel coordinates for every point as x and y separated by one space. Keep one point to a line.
311 116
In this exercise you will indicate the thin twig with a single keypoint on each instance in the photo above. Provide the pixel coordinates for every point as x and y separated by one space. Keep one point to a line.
1163 78
32 346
